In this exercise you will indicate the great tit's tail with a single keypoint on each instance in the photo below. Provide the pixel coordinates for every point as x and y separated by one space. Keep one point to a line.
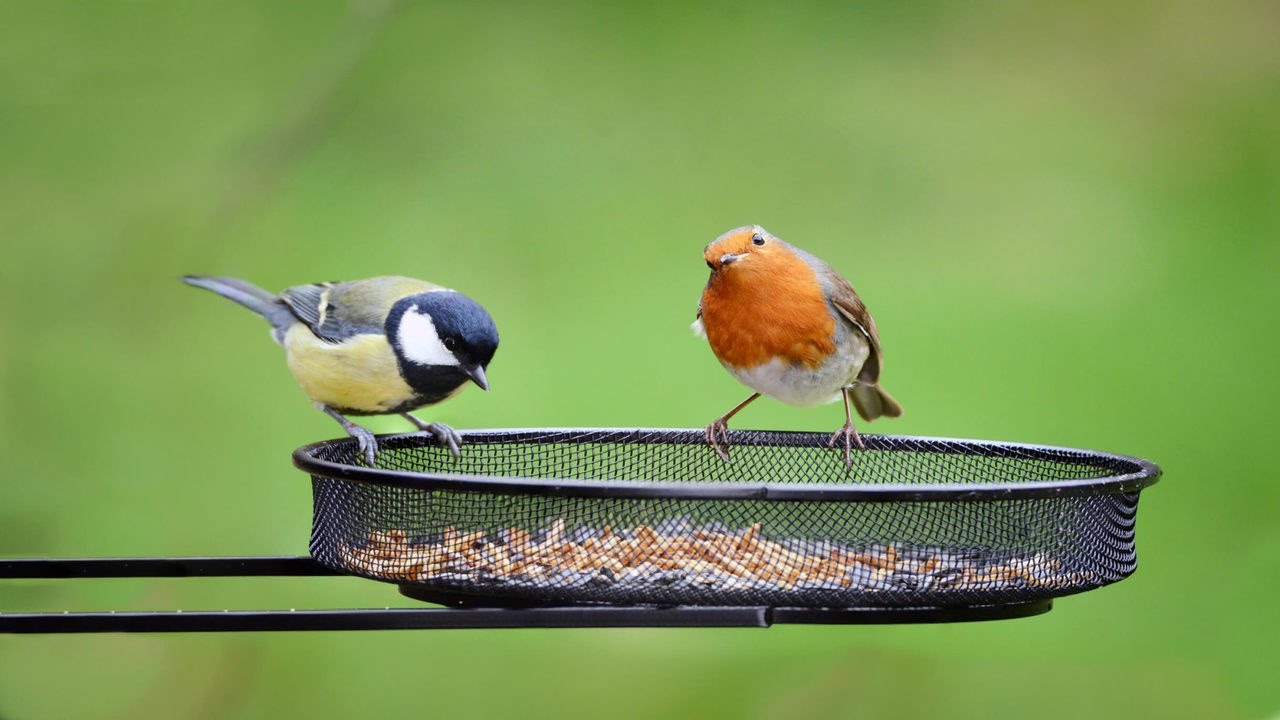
872 402
251 296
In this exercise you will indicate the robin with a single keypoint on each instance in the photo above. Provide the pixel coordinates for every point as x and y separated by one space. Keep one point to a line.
787 325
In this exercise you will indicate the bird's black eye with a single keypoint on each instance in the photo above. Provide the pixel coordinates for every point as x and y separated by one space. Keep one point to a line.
757 239
450 343
711 265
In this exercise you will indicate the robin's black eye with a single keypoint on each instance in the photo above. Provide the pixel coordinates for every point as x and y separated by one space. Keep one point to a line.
757 239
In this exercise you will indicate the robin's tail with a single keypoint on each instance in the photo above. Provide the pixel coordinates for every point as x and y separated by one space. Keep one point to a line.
872 402
249 295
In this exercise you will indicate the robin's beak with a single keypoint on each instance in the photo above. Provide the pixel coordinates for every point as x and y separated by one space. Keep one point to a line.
731 258
476 373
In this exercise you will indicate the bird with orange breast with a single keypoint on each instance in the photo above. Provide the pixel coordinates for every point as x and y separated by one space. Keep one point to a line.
787 325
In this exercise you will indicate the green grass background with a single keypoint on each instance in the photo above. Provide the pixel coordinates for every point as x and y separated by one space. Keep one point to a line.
1065 217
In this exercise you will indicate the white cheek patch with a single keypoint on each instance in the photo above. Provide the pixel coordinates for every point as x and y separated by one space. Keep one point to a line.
419 342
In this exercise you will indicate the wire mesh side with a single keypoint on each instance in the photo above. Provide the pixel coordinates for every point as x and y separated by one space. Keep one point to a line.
667 550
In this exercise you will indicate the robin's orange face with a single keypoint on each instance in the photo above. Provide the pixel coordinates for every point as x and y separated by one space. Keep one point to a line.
745 243
764 302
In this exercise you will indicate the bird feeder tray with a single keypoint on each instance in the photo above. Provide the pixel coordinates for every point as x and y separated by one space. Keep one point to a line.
610 517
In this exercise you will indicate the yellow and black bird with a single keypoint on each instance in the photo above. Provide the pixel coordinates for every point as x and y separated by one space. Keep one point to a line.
376 346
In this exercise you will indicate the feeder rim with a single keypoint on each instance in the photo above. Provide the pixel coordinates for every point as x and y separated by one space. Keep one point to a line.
1146 473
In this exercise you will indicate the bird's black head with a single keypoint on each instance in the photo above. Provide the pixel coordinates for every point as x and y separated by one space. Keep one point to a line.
441 340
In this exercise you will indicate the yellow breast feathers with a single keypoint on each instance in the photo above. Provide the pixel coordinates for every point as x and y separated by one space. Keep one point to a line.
359 375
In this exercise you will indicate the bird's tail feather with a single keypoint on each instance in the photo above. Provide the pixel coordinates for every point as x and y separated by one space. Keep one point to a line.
249 295
872 402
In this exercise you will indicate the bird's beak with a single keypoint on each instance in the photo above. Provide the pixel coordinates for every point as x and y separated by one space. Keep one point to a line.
476 373
730 258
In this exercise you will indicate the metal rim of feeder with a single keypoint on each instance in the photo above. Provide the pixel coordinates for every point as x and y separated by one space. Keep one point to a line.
1138 474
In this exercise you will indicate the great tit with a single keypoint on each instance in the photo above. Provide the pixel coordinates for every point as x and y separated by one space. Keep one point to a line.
376 346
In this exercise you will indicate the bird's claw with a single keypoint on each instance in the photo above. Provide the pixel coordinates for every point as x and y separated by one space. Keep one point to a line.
443 434
447 436
368 443
851 438
718 438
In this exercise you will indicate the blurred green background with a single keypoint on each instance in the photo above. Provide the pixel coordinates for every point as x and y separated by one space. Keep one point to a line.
1065 217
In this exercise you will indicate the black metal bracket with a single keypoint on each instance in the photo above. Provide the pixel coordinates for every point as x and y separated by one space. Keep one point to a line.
60 568
416 618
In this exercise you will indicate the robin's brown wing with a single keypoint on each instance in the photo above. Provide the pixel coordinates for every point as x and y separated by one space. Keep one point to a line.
846 301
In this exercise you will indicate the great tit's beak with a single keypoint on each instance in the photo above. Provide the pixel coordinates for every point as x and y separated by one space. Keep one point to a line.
730 258
476 373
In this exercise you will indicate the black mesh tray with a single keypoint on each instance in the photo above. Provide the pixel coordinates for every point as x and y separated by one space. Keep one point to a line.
563 517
